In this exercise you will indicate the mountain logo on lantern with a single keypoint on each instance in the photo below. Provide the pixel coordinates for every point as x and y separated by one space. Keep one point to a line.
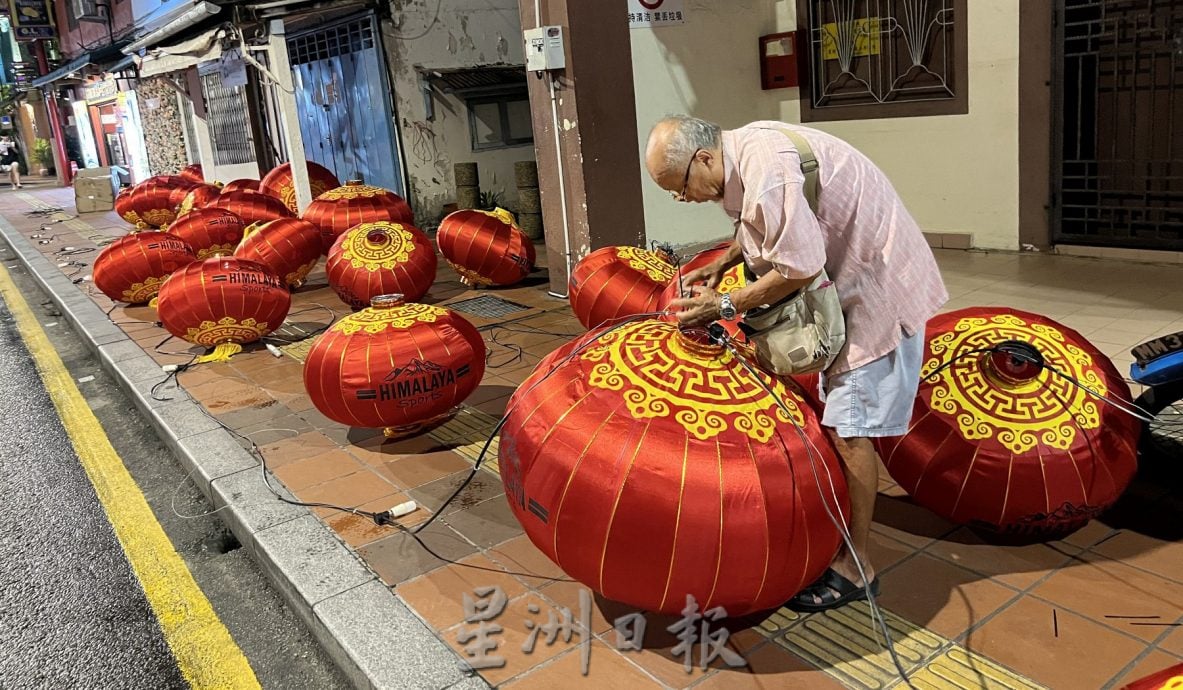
416 367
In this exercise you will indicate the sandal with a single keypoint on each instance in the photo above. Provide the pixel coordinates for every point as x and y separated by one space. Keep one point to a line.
820 596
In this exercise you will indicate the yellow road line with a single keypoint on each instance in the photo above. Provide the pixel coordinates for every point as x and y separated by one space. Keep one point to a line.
205 653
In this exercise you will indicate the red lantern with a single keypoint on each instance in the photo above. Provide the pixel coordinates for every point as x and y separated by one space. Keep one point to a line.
615 282
340 209
376 259
1167 679
125 207
280 184
209 231
252 207
1005 444
398 366
241 185
485 247
288 247
651 465
193 173
197 197
132 268
733 280
154 201
223 303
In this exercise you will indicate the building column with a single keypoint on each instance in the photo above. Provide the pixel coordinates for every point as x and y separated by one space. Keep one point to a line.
205 142
594 159
64 175
289 113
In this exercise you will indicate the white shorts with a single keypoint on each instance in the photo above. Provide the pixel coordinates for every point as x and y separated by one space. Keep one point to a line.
875 400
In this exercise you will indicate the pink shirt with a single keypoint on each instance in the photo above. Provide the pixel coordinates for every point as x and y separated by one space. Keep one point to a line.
886 275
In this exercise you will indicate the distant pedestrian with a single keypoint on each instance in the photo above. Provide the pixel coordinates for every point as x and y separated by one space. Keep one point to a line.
10 160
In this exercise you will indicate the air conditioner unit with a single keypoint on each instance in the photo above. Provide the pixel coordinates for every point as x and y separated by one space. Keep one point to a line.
88 11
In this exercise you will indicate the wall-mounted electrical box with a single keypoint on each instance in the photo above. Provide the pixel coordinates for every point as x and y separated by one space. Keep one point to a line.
778 61
544 49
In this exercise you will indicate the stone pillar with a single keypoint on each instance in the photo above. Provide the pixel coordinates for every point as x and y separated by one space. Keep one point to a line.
468 185
594 113
529 203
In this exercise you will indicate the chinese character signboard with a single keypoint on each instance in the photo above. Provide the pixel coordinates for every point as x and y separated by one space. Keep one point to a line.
646 13
32 19
101 91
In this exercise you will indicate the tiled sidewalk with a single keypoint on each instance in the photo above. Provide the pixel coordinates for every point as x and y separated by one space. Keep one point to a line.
1044 611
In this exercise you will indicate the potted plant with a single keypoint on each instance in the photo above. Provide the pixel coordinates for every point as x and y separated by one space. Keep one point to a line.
43 155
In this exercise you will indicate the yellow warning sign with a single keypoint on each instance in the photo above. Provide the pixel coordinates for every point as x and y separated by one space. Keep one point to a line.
863 32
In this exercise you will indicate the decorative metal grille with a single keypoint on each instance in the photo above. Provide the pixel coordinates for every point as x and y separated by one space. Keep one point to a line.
336 41
875 53
488 306
228 122
1119 173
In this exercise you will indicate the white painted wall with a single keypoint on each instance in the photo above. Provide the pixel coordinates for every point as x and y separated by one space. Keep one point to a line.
956 173
467 33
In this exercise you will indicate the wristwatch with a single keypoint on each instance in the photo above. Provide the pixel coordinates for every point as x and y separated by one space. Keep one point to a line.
727 308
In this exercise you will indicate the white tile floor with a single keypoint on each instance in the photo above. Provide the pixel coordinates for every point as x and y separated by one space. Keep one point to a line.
1114 304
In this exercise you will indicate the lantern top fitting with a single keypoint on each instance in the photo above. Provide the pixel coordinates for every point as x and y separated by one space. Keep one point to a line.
387 301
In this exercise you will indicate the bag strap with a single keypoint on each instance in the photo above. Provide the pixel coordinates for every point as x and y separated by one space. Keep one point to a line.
809 166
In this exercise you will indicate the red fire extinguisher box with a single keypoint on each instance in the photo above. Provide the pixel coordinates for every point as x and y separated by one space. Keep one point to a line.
778 61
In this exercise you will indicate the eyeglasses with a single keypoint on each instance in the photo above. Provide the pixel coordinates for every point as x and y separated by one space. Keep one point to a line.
686 179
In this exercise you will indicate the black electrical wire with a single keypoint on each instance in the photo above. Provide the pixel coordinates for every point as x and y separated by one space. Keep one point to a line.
497 429
876 615
307 334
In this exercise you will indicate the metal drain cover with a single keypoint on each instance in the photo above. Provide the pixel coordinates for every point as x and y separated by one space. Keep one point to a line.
487 306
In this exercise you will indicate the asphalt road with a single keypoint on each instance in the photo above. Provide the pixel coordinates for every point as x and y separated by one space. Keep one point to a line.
72 613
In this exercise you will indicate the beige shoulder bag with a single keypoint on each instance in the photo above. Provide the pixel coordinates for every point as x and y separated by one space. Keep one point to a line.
803 333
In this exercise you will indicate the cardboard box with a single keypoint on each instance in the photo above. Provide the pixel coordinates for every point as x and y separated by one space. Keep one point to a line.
95 189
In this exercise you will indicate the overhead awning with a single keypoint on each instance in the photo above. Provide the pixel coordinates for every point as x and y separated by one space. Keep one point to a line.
184 18
123 64
468 82
183 55
100 57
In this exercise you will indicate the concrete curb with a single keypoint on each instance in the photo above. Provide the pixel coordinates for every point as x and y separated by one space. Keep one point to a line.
363 625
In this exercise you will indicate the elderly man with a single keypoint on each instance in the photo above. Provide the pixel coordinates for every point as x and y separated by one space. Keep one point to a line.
886 276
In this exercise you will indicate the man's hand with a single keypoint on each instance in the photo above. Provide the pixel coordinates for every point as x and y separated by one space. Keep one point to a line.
699 310
710 275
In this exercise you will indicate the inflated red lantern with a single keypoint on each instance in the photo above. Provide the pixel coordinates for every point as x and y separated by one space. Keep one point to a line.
1167 679
1001 436
395 365
132 268
615 282
209 231
125 208
223 303
383 258
154 201
193 173
280 184
650 465
197 197
485 247
340 209
288 247
241 185
252 207
733 280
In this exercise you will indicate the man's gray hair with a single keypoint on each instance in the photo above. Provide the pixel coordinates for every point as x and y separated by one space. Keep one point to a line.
688 135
